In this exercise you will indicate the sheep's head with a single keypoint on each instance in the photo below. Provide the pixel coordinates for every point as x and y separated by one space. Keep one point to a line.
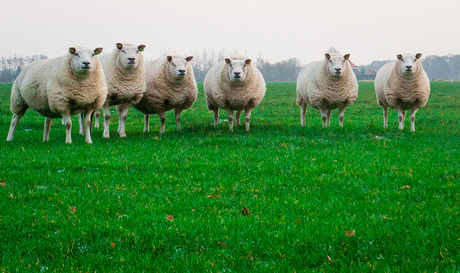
337 64
129 55
178 67
409 63
83 59
237 68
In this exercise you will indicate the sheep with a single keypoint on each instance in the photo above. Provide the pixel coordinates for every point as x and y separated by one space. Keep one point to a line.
402 85
125 75
60 87
327 85
234 85
170 85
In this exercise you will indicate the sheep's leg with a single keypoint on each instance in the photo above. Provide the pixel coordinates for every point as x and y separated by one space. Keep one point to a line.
81 116
68 127
238 117
146 122
106 112
341 113
97 114
14 121
247 118
412 119
303 112
328 117
178 112
62 121
87 126
163 120
123 109
385 117
216 115
324 116
230 119
46 131
401 115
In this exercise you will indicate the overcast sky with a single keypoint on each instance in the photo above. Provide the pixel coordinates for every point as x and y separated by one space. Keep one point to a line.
368 30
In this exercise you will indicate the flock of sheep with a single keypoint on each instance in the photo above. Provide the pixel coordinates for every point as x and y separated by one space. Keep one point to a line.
80 82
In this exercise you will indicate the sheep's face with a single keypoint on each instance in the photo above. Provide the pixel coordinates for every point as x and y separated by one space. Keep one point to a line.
409 63
237 69
129 55
178 67
83 59
337 64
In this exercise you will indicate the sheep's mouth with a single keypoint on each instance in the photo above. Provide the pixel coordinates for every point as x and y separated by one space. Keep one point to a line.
181 74
131 62
408 69
85 67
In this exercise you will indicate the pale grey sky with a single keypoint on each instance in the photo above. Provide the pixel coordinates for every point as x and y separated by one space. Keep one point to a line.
368 30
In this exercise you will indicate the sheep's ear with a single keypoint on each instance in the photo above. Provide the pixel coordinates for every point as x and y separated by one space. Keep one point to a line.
227 60
141 48
169 58
72 50
248 61
328 56
399 56
98 50
189 58
346 57
418 55
119 46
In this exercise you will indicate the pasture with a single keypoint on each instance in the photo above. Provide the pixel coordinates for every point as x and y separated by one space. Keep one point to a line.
354 199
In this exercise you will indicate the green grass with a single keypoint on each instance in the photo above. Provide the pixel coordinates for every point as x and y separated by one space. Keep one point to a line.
320 200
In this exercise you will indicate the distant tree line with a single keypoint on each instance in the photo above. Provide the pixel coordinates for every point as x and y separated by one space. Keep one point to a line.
437 67
11 66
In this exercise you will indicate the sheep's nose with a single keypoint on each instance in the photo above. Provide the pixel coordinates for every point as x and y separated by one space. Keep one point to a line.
338 69
131 59
409 66
237 75
86 63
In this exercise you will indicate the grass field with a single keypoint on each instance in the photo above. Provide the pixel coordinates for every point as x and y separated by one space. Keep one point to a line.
352 199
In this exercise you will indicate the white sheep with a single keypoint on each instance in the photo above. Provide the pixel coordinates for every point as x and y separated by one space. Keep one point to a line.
125 75
327 85
402 85
170 85
234 85
60 87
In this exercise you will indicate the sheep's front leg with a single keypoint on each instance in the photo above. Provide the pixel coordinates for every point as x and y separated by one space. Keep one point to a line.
230 119
412 118
87 126
146 122
177 113
106 112
68 127
247 118
123 110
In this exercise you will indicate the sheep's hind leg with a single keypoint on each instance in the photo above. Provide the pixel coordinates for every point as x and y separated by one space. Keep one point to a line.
87 126
412 119
177 113
303 112
215 109
341 114
146 122
238 117
401 116
163 120
14 121
106 112
81 116
385 117
230 119
68 127
328 117
247 118
46 131
324 116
